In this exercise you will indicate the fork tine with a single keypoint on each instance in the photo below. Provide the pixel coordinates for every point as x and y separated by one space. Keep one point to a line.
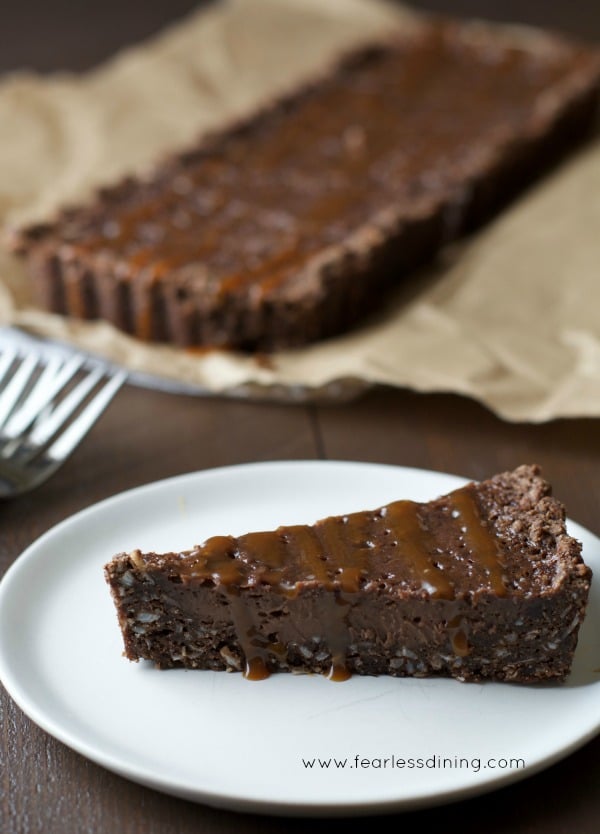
52 380
17 417
65 444
46 428
6 360
16 386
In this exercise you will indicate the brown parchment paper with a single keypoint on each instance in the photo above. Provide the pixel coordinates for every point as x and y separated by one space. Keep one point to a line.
511 318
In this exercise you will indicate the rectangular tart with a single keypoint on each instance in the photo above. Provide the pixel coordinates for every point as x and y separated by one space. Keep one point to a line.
482 583
289 226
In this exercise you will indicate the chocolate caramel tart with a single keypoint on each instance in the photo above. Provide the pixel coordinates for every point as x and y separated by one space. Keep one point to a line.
482 583
289 226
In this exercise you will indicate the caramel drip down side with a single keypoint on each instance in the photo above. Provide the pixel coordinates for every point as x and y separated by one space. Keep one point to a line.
341 539
334 606
458 634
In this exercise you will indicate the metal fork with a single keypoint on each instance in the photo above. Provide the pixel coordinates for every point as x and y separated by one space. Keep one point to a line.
47 404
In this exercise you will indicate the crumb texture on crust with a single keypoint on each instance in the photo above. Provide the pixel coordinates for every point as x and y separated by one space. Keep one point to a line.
532 524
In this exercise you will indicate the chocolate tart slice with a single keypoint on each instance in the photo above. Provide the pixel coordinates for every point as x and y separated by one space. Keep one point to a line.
482 583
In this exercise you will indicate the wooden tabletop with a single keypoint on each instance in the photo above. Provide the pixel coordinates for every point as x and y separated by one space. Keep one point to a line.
146 435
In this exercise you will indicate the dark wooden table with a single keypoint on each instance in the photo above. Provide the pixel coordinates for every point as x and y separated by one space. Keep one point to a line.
145 435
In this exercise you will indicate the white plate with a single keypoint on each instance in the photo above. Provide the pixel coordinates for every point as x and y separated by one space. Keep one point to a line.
228 742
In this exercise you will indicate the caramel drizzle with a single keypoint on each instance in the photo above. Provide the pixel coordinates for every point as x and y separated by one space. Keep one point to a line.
415 546
483 546
334 555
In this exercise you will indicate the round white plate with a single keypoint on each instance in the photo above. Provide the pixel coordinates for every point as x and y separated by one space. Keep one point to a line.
220 739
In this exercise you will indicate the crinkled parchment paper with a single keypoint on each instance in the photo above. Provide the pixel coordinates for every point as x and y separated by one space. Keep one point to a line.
511 318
